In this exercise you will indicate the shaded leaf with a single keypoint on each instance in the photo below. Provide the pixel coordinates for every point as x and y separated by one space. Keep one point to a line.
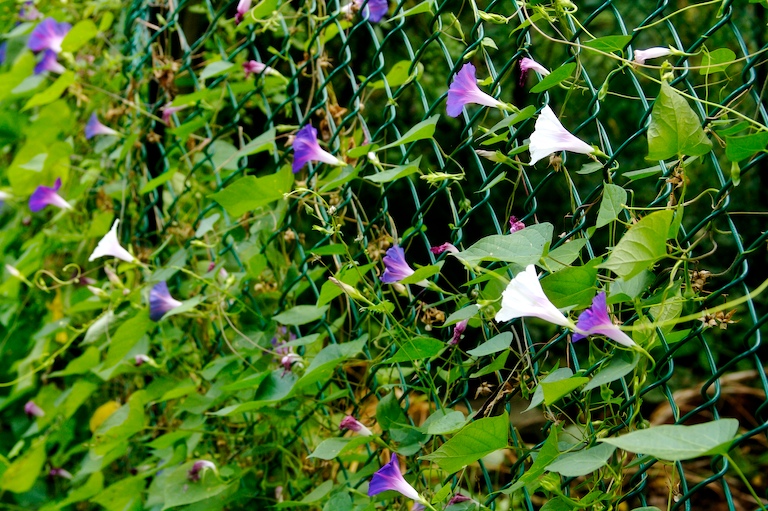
477 439
675 130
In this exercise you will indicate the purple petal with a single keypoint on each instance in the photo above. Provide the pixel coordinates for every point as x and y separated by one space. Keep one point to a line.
48 35
389 478
50 63
161 301
44 196
374 10
515 224
597 320
306 149
458 331
445 247
243 6
33 410
94 127
254 67
464 90
3 47
395 266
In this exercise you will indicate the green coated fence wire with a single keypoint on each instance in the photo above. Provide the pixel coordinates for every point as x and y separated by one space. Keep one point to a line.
339 75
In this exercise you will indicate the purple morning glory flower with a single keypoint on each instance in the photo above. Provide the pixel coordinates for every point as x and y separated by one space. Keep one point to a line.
374 10
353 424
60 472
161 301
168 110
527 64
515 224
306 149
458 332
3 47
389 478
199 468
49 62
44 196
48 35
32 410
94 127
445 247
395 267
464 90
596 320
243 6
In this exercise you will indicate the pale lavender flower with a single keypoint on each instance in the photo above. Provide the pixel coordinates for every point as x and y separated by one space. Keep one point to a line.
50 63
549 136
640 56
395 267
60 472
161 301
140 360
48 35
306 149
353 424
243 6
94 127
524 297
445 247
389 477
464 90
254 67
29 12
527 64
597 321
32 410
168 110
109 246
44 196
458 332
199 468
515 224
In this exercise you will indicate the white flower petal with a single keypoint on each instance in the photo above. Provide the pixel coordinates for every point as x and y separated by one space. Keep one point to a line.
549 136
109 246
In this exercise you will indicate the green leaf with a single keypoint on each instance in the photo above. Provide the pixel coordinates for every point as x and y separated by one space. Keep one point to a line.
495 344
264 142
477 439
395 172
186 305
389 413
332 447
565 254
677 442
498 364
81 33
215 69
546 455
328 360
276 386
641 246
618 367
716 61
590 168
21 475
555 77
159 180
522 115
178 490
420 348
250 192
425 6
523 247
425 129
124 494
573 286
741 148
301 315
467 312
423 273
581 463
614 198
338 176
557 375
610 43
53 92
443 422
675 130
556 390
126 337
398 75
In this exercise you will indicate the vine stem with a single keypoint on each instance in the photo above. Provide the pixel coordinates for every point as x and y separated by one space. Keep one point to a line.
745 481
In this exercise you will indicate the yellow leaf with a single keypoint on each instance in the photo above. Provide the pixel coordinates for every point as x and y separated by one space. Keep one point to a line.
102 414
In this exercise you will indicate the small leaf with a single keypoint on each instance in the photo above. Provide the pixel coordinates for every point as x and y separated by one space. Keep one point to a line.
81 33
495 344
398 75
467 312
523 247
555 376
249 193
716 61
616 368
477 439
53 91
20 476
609 43
420 348
546 455
565 254
675 130
425 129
677 442
332 447
301 315
581 463
215 69
264 142
556 390
741 148
441 423
423 273
395 172
641 246
555 77
614 198
126 337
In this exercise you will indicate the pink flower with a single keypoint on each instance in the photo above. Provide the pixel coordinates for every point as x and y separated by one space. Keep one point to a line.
458 332
60 472
527 64
140 360
199 468
32 410
515 224
243 6
549 136
640 56
445 247
168 110
44 196
353 424
254 67
464 90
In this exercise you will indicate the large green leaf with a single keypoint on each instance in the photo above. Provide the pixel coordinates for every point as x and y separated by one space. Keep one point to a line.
546 455
573 286
424 129
251 192
53 91
332 447
21 475
81 33
675 130
741 148
301 315
126 337
477 439
641 246
523 247
420 348
178 490
677 442
555 77
614 198
581 463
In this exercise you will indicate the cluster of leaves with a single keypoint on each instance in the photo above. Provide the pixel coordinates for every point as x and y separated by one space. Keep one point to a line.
235 395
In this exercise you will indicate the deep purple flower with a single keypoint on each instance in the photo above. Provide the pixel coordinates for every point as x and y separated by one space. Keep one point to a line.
353 424
464 90
3 48
395 267
110 246
199 468
306 149
94 127
49 62
458 332
515 224
60 472
374 10
389 478
167 111
44 196
445 247
161 301
458 498
48 35
596 320
32 410
243 6
527 64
